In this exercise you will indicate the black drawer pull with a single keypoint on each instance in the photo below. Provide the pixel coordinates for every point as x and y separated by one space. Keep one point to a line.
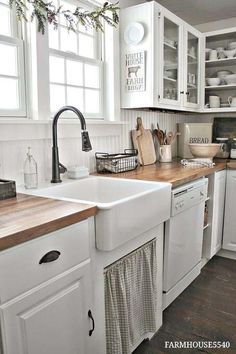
93 323
50 257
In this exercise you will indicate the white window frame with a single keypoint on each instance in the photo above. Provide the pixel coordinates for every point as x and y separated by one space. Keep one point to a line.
99 64
34 52
21 111
98 61
19 44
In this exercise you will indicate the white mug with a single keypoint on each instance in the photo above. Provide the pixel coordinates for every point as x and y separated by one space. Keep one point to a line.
213 54
214 101
232 101
165 153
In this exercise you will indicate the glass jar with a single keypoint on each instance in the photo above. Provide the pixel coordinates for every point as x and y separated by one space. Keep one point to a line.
223 153
30 171
233 149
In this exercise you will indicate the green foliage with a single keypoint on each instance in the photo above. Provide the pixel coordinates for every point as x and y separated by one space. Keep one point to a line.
47 12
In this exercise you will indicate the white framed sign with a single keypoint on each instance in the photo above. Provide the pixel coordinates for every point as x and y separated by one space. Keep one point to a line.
135 71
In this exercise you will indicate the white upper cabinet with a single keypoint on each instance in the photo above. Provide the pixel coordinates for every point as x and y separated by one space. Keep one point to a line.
192 51
160 59
170 68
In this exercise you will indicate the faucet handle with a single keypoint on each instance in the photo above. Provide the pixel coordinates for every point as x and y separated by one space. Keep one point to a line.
62 168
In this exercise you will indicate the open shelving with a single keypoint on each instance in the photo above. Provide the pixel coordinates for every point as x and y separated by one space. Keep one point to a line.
214 40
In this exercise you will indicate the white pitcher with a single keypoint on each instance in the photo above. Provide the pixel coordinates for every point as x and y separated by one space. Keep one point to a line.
232 101
165 153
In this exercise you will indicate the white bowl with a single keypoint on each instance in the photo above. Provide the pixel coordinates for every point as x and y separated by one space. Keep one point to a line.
222 73
204 150
213 81
230 53
232 45
230 79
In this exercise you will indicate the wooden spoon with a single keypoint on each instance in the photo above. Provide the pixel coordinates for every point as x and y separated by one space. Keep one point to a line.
169 138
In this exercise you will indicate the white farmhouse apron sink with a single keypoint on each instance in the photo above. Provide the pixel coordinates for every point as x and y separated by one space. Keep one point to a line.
126 208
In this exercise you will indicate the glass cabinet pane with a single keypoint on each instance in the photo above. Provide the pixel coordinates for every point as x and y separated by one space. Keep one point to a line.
171 65
192 69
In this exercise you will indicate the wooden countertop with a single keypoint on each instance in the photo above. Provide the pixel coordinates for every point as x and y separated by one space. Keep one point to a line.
172 172
231 165
26 217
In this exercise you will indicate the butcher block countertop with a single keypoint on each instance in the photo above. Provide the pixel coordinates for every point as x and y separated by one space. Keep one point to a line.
231 165
26 217
172 172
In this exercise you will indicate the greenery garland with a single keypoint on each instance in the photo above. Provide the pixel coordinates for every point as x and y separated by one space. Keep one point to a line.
47 12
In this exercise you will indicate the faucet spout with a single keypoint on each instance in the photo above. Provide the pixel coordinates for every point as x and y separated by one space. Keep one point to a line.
86 144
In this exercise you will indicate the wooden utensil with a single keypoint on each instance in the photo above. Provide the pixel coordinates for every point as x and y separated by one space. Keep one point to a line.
143 142
169 138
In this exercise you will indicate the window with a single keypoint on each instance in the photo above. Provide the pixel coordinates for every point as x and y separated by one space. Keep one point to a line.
12 89
76 68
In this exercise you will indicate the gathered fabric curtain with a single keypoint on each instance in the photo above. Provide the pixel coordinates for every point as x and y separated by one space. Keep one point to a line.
130 299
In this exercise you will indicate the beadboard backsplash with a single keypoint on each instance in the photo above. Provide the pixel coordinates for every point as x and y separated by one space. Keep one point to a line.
166 121
112 138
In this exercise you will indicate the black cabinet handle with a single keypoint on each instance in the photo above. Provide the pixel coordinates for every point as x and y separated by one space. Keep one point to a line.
181 92
50 257
93 323
187 93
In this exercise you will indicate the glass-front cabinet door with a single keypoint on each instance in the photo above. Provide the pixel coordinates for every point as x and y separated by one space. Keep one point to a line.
192 67
170 51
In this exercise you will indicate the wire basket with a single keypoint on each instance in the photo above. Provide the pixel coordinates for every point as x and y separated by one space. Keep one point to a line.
116 163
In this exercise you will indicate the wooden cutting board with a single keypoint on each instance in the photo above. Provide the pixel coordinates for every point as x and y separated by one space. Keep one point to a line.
143 142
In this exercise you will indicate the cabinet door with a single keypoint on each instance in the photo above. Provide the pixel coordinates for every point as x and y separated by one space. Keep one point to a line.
229 236
50 319
191 67
212 240
171 49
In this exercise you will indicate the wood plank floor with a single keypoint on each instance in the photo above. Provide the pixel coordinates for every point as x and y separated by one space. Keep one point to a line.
205 311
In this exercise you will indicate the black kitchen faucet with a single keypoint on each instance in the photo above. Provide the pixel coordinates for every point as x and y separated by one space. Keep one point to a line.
57 167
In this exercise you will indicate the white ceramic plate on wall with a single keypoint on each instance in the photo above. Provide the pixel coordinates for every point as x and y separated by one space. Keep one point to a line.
133 33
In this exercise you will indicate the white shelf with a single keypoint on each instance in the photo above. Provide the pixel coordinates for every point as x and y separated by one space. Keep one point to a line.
221 62
169 79
220 110
170 46
221 87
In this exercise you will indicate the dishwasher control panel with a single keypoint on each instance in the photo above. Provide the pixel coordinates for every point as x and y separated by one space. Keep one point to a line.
188 195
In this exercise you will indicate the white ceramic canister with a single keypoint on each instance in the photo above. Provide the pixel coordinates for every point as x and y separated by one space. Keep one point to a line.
214 101
213 54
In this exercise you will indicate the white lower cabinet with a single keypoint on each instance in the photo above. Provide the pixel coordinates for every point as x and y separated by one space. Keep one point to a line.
229 236
55 317
212 239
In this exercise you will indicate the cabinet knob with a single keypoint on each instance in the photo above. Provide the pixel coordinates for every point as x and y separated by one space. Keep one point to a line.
93 322
181 92
50 257
187 93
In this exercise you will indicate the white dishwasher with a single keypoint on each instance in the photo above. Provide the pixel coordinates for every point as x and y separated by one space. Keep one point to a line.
183 238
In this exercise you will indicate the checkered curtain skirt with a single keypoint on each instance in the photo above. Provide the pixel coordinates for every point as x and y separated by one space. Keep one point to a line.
130 299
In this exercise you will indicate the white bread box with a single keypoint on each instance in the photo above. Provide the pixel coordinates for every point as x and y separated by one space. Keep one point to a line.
192 133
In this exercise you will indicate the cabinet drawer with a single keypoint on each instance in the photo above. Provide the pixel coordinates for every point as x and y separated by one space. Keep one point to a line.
20 269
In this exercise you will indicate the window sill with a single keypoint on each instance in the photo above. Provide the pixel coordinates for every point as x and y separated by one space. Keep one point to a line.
68 121
24 129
